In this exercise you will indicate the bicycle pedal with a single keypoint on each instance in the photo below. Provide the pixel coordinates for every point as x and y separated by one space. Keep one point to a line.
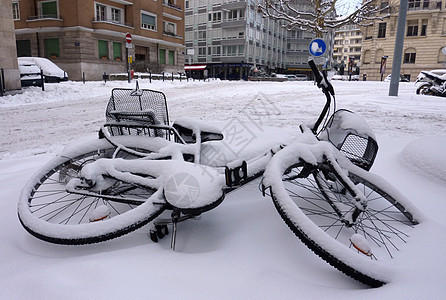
235 175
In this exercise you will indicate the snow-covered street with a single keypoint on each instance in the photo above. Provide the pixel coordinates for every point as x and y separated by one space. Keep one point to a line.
242 249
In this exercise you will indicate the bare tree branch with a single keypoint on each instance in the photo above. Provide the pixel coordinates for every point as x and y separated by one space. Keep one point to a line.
323 17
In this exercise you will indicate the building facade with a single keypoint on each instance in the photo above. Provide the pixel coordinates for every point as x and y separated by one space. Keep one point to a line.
228 38
424 39
347 47
88 37
8 59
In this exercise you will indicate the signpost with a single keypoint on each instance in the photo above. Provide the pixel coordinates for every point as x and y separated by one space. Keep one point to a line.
128 38
129 45
317 48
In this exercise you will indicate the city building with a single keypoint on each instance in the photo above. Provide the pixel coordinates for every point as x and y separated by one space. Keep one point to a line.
87 38
347 48
424 40
228 39
10 74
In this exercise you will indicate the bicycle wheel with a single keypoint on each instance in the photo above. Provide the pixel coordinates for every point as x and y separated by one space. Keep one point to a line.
316 206
49 212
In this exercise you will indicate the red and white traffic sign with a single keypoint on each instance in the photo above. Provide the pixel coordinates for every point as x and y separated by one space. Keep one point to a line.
128 38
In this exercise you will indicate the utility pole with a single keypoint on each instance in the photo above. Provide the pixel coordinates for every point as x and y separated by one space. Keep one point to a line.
398 52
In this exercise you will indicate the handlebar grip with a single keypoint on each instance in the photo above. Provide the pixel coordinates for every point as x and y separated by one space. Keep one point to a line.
316 72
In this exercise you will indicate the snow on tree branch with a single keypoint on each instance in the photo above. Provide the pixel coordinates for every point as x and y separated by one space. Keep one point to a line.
322 17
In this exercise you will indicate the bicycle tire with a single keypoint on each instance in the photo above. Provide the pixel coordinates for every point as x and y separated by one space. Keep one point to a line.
314 221
47 211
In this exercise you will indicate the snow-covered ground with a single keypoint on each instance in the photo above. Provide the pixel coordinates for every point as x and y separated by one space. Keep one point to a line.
241 249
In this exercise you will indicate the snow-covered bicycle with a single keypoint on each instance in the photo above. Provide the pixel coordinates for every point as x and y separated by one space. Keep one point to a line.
141 166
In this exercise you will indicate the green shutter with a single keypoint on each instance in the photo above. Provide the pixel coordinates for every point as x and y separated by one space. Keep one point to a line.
117 50
52 47
162 56
103 49
49 8
171 57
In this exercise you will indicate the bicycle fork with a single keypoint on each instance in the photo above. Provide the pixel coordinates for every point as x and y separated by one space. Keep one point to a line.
333 173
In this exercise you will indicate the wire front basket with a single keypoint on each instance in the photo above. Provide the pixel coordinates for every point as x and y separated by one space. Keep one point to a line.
137 112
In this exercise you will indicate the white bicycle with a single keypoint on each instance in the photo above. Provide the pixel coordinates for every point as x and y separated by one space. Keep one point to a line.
140 166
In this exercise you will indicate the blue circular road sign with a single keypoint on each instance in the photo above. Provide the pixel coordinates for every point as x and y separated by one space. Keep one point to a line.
317 47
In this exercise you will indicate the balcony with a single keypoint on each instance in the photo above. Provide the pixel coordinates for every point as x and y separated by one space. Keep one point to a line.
45 17
172 34
171 4
112 22
238 22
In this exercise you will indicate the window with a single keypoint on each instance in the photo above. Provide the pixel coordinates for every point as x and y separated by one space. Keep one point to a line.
15 11
171 57
382 30
412 28
52 49
241 50
117 48
440 57
48 9
103 49
414 4
100 12
148 21
234 14
444 26
162 56
409 56
202 35
214 17
424 28
116 15
216 50
202 51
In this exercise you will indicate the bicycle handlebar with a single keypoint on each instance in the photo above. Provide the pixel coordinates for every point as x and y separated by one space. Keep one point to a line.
327 89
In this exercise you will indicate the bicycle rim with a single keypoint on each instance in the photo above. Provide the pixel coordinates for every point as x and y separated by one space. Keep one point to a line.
316 207
50 213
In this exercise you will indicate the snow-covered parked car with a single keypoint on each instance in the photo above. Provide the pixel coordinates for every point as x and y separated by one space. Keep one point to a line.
29 73
50 70
402 78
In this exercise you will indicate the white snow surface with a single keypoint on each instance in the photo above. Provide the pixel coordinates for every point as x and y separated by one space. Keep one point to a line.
242 249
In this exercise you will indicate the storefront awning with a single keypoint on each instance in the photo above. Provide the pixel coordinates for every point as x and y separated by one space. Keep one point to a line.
194 67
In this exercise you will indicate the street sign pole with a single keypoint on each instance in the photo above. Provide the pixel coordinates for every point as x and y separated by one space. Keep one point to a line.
398 52
128 45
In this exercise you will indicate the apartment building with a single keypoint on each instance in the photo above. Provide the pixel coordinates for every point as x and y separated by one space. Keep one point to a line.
88 37
424 38
347 46
228 38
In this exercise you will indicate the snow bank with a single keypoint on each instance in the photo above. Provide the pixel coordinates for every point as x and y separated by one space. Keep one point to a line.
427 155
